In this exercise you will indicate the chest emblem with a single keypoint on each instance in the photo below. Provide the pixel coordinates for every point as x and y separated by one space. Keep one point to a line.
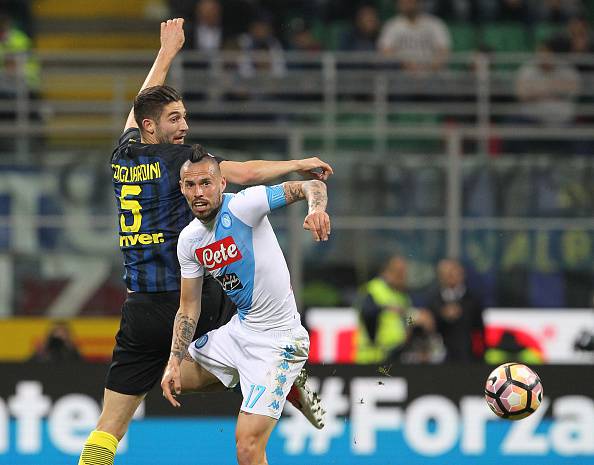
226 220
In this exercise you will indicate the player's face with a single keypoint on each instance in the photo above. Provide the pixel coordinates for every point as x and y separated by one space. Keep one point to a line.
172 127
203 186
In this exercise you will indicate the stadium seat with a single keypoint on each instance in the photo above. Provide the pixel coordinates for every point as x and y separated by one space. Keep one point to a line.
329 34
506 37
464 37
545 31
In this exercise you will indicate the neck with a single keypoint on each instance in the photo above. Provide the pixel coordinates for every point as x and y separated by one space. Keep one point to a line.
148 138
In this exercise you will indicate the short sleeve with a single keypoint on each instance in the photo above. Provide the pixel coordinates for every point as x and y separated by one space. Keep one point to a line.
276 196
252 204
189 266
441 34
388 35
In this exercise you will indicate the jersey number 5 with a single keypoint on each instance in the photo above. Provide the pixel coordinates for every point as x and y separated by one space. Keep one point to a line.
132 206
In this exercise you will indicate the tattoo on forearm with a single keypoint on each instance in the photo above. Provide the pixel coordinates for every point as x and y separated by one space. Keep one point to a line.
293 191
315 192
183 333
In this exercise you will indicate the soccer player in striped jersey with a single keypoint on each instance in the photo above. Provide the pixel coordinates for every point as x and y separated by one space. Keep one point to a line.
152 212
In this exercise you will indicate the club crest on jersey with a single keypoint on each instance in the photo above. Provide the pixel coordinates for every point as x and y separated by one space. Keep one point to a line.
218 254
230 282
226 220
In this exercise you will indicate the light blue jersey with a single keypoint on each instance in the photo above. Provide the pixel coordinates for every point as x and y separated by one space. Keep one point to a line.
239 248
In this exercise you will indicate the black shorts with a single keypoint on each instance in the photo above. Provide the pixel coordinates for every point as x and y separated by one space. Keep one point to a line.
143 342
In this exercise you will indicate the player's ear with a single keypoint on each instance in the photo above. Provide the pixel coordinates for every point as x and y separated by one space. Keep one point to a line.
223 183
148 126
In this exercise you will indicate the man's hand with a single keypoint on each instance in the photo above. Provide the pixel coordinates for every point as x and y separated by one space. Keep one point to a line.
172 35
318 222
314 168
171 382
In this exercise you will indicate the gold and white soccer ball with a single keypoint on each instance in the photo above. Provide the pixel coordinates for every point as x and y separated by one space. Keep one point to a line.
513 391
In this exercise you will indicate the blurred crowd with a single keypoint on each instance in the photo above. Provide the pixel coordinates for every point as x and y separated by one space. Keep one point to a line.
447 326
413 30
416 37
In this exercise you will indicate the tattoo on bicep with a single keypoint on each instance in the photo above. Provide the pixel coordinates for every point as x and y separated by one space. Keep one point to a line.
183 333
293 191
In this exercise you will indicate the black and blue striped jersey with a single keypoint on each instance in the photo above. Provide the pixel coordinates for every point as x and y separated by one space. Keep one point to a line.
152 210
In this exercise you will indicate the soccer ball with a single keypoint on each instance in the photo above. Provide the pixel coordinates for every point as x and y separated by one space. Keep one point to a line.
513 391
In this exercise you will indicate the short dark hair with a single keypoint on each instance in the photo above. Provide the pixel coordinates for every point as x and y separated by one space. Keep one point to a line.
149 103
200 154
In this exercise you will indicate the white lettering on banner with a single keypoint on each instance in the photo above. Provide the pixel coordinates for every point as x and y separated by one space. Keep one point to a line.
434 425
3 427
573 432
70 420
420 413
296 429
366 417
475 415
73 416
29 405
522 437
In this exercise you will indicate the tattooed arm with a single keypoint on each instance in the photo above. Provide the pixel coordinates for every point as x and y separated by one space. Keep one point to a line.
317 220
184 328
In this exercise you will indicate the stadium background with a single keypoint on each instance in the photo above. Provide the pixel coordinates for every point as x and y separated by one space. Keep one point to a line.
428 166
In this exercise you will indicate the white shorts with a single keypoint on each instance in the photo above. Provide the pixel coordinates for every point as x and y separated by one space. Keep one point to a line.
266 363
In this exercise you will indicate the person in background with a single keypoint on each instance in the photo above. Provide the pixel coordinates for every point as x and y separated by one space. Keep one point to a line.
206 34
421 42
458 314
362 37
386 316
547 88
557 11
14 41
301 38
261 51
577 39
59 345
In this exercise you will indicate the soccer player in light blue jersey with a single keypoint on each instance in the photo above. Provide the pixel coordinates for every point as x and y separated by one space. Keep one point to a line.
264 346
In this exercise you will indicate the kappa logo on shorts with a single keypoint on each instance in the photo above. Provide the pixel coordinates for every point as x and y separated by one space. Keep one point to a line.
219 254
230 282
201 342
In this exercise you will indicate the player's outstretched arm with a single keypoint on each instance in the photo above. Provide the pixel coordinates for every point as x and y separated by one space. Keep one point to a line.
184 328
317 220
172 40
254 172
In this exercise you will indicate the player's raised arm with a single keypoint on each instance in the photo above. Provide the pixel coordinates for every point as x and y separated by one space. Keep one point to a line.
254 172
184 328
172 40
317 220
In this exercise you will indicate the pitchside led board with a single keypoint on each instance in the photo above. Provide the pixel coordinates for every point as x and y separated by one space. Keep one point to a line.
551 333
407 415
